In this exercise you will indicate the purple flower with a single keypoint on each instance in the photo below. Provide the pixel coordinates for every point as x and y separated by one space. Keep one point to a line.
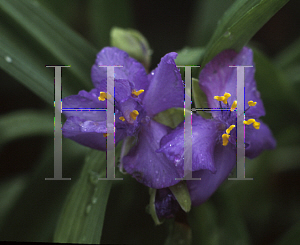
214 140
138 98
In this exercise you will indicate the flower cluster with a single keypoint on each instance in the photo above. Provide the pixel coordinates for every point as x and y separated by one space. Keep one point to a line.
157 158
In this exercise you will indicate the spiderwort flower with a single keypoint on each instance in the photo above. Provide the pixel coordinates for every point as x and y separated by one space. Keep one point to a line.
138 98
214 140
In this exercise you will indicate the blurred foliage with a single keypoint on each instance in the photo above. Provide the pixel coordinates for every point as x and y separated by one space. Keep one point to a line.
35 33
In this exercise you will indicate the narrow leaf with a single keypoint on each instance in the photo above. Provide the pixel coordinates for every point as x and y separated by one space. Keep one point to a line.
25 123
32 37
82 218
238 25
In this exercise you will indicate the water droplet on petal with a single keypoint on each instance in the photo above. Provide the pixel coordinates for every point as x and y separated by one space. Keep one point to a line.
177 160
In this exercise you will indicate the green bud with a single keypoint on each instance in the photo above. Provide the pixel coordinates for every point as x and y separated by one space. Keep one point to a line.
132 42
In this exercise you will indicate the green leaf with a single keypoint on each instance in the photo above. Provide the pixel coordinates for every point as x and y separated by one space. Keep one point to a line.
28 24
35 213
238 25
189 56
182 195
171 117
10 190
82 217
205 19
25 123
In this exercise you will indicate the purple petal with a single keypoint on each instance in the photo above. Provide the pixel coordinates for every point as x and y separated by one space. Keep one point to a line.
148 167
166 205
124 109
201 190
166 88
132 70
85 100
257 140
88 133
123 89
205 133
217 78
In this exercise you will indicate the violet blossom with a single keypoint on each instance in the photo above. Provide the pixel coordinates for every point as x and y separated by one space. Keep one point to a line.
138 98
214 140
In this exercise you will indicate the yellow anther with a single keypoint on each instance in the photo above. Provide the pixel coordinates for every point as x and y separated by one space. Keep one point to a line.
225 138
122 118
223 98
105 135
137 93
226 95
219 98
229 129
256 125
104 96
233 106
251 103
249 121
134 114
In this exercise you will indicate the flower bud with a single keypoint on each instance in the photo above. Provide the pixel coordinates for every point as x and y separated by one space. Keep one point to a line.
132 42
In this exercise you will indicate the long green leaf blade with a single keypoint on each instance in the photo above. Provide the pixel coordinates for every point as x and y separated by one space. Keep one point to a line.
54 35
83 214
32 37
238 25
25 123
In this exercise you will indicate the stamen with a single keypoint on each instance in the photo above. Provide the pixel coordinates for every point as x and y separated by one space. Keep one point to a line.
219 98
225 138
104 96
249 121
251 103
226 95
256 125
137 93
223 98
105 135
122 118
229 129
134 114
233 106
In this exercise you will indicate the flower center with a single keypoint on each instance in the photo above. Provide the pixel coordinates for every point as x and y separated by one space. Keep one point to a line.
137 93
134 114
104 96
224 99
